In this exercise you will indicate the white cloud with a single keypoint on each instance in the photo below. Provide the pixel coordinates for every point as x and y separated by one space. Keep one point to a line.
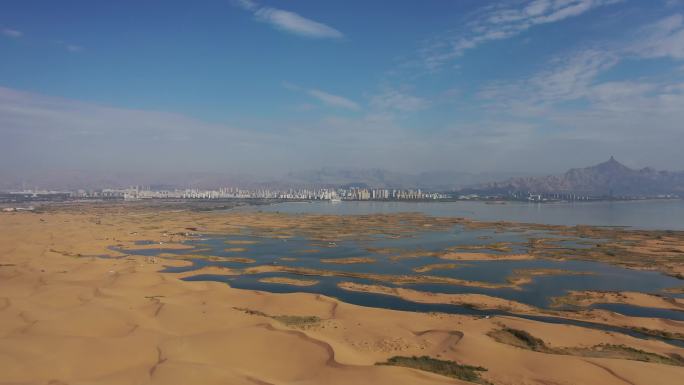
618 92
247 5
325 97
502 21
289 21
73 48
399 101
580 113
564 112
573 76
566 78
333 100
12 33
664 38
636 116
296 24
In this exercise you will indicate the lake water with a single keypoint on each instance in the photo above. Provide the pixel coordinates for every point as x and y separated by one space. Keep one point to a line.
300 252
645 214
305 253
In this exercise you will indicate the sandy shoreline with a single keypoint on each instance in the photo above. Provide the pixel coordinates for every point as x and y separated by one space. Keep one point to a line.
588 298
478 301
289 281
73 319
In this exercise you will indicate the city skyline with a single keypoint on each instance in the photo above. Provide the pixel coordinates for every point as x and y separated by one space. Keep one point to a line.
268 87
609 180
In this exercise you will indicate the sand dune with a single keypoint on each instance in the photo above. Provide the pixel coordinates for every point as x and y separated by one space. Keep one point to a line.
66 319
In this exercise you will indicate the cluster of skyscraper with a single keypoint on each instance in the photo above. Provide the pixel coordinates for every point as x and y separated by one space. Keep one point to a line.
134 193
364 194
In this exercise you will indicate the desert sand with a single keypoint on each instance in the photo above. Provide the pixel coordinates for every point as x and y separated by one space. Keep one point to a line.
69 317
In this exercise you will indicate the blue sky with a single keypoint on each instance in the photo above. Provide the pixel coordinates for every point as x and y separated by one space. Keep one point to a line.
267 87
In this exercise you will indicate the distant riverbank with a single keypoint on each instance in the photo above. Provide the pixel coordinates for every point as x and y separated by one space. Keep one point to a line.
643 214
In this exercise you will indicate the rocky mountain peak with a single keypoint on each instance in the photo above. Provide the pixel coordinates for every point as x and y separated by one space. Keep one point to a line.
607 178
610 166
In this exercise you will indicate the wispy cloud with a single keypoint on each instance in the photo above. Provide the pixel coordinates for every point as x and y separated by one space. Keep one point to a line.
664 38
59 132
569 98
52 133
73 48
567 77
575 108
325 97
334 100
397 101
289 21
573 76
15 34
502 21
247 5
12 33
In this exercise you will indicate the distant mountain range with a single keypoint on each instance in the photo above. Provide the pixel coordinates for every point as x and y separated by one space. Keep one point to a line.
379 178
610 178
604 179
324 177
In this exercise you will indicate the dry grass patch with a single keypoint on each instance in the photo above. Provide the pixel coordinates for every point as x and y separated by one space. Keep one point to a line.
296 321
436 266
348 261
240 242
235 249
289 281
239 259
445 368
